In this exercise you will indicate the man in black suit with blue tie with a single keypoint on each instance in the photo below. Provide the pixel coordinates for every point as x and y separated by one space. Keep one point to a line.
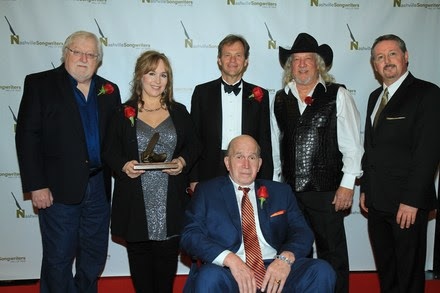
282 239
401 157
62 120
227 107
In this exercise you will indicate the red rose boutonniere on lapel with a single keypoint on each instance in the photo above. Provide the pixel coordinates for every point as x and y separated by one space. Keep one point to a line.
257 94
262 195
106 89
308 100
130 113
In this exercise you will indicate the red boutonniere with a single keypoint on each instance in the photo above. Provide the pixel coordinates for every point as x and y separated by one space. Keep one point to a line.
130 113
257 94
262 194
106 89
308 100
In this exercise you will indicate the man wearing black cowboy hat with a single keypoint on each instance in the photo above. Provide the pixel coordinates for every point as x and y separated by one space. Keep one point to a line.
320 147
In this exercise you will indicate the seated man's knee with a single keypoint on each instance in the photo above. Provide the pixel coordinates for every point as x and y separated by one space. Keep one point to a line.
213 278
324 269
312 275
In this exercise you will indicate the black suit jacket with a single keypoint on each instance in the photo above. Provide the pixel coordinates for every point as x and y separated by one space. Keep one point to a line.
120 146
402 152
206 112
50 140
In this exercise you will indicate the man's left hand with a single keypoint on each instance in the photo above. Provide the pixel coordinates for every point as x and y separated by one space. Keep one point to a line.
343 198
406 215
276 275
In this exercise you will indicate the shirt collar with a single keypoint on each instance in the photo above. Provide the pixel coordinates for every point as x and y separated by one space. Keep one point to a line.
251 186
392 88
292 87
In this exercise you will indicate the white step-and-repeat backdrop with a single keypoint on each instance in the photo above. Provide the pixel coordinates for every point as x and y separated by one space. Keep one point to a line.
188 31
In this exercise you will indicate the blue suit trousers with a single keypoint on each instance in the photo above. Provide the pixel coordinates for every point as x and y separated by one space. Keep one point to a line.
77 233
306 275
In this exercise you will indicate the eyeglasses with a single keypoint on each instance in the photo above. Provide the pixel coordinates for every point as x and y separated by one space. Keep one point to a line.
76 53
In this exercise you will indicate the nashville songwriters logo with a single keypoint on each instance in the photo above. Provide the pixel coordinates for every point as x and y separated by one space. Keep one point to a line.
20 212
15 39
263 4
104 41
354 44
91 1
334 4
271 43
12 259
13 117
433 4
170 2
189 43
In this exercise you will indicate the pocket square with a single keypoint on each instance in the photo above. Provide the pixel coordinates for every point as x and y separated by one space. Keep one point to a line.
396 118
281 212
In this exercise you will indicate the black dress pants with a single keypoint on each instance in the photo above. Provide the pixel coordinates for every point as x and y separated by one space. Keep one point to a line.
153 264
328 228
399 253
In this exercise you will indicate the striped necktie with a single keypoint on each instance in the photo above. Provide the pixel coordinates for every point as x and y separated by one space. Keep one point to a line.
383 103
254 259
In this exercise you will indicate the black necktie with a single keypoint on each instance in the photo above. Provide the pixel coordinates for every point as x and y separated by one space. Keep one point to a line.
232 88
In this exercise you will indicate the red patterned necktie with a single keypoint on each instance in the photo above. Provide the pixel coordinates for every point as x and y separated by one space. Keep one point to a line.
252 249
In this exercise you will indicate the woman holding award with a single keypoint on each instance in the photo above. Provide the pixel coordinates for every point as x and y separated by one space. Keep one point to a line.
151 146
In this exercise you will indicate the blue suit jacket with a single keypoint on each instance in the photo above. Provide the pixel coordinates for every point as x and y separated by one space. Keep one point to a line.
212 221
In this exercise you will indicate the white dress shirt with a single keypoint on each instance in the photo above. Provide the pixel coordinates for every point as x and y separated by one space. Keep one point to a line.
231 115
391 90
267 251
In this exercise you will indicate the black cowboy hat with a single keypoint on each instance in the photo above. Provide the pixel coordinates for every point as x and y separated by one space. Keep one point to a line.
306 43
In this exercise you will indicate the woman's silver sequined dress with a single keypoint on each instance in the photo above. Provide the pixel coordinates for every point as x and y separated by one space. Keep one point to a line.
155 182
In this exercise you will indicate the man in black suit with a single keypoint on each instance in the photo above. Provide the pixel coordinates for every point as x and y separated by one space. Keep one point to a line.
227 107
63 115
400 161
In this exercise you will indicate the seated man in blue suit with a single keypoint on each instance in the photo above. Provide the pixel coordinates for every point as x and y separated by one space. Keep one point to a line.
213 233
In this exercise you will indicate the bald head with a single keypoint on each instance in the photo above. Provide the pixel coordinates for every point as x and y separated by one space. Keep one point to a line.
243 159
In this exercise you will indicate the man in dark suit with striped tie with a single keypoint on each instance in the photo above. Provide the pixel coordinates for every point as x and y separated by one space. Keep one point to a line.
400 162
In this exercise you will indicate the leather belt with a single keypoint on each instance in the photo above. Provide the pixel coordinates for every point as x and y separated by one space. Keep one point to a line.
94 171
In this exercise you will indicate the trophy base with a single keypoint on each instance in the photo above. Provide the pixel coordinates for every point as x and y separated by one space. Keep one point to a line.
155 166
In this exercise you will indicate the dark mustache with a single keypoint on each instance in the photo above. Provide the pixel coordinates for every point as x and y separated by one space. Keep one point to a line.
389 66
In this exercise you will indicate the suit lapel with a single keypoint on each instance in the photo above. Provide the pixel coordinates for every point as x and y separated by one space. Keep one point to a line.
247 108
215 104
66 90
369 130
263 216
395 100
230 199
102 113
